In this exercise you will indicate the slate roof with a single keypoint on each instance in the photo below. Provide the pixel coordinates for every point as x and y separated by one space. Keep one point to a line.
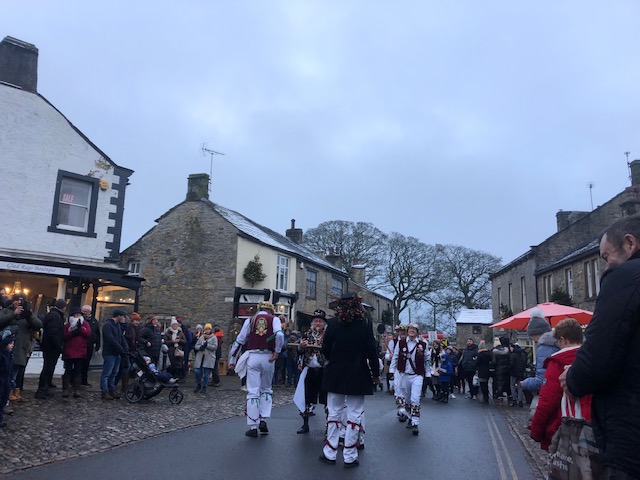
268 237
475 316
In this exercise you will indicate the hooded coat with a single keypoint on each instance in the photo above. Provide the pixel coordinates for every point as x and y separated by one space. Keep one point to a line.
546 347
27 322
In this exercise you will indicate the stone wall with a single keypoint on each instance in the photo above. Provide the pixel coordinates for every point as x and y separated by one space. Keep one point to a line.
466 330
188 261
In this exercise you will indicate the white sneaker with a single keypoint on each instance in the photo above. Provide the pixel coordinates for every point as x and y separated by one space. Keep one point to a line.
452 396
243 388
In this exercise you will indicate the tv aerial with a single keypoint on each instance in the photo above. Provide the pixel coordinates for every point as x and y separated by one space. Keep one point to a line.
207 151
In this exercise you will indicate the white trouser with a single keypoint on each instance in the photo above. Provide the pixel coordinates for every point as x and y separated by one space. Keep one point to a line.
336 402
259 393
412 385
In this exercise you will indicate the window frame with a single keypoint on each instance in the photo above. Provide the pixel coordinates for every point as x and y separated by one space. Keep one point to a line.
282 273
568 280
523 293
311 293
131 272
334 291
55 227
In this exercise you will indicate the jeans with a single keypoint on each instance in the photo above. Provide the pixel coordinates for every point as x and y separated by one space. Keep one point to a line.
202 376
517 394
110 367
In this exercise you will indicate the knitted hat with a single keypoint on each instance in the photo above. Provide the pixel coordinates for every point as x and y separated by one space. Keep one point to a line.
198 327
174 322
135 316
146 359
60 304
538 324
208 325
118 312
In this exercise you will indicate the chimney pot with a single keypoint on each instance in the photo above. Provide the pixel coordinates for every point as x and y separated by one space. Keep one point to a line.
19 64
198 187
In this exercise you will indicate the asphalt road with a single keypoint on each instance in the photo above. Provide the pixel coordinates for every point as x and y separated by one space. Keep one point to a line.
462 439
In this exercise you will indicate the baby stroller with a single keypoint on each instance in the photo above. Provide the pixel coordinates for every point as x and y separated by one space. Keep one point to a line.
146 385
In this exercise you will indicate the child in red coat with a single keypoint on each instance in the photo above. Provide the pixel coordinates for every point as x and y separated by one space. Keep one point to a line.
548 416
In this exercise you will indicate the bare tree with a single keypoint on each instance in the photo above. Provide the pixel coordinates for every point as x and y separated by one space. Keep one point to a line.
411 271
353 243
468 270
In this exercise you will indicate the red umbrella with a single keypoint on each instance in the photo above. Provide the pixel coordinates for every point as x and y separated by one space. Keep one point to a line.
553 312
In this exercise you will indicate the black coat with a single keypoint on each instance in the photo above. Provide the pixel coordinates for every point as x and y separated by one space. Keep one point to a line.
608 366
53 331
347 347
113 341
518 363
484 364
149 335
469 358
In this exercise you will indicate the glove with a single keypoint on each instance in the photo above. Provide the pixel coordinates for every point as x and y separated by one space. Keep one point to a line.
202 348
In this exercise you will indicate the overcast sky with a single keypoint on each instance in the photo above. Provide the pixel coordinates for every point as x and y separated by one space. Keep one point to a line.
459 122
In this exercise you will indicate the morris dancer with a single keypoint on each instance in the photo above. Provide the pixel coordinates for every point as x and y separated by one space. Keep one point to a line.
347 345
398 392
311 363
391 345
410 360
264 338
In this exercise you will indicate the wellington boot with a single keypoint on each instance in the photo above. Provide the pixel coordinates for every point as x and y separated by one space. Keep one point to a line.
12 395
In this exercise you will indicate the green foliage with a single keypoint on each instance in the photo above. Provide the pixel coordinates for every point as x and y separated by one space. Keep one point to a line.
387 317
561 296
253 272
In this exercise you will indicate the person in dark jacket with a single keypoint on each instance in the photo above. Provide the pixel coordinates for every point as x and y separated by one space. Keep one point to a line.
113 346
7 340
517 370
351 372
607 365
19 314
150 339
52 345
93 345
468 366
483 366
500 360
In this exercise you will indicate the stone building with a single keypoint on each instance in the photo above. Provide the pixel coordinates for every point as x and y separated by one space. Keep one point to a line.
193 262
473 323
568 261
65 197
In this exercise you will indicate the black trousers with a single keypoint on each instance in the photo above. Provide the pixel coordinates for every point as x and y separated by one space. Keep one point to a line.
50 358
86 362
473 391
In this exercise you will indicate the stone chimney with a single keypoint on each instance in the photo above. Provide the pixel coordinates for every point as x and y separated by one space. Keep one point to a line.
332 256
19 64
294 234
198 187
564 219
635 172
357 274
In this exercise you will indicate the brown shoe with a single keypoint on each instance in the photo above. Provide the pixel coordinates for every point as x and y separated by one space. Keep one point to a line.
19 396
12 395
115 394
107 396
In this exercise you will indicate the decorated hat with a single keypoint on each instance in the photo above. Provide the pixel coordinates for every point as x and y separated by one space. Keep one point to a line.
266 306
320 314
413 325
401 328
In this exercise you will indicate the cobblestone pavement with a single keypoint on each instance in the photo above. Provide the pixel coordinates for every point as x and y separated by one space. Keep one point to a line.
518 419
45 431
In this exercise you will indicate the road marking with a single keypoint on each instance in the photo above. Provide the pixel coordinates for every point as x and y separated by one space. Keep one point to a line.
495 433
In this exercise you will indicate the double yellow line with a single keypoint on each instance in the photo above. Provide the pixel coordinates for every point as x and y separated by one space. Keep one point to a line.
500 449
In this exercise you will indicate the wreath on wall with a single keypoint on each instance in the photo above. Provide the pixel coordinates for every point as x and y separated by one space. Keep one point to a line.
253 271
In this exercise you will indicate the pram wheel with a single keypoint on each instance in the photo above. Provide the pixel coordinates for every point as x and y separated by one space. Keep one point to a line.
134 392
176 396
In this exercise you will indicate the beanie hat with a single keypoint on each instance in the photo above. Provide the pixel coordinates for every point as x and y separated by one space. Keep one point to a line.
198 327
174 322
537 325
146 359
60 304
118 312
208 325
135 316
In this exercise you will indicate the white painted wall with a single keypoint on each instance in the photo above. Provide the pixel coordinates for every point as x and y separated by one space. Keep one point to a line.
269 259
35 142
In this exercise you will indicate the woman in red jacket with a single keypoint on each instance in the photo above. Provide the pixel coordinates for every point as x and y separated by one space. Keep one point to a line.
77 333
548 416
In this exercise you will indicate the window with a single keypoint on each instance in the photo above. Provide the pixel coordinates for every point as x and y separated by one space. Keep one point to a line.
74 208
134 268
568 280
499 297
547 287
510 297
312 280
337 286
476 329
592 278
523 293
282 273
